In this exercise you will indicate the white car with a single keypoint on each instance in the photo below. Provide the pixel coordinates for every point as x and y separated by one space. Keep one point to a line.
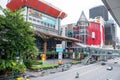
115 62
109 68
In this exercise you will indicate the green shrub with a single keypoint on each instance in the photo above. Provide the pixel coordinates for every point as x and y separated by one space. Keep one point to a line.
29 63
2 65
11 65
43 67
75 62
20 68
36 62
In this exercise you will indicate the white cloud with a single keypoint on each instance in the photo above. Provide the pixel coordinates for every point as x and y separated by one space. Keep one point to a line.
74 7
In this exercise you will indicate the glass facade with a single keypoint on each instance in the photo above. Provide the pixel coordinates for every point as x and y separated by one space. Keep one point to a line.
110 35
99 11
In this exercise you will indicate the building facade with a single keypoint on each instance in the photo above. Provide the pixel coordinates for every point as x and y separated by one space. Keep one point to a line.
43 16
91 33
82 32
45 19
98 11
109 25
67 30
96 34
110 33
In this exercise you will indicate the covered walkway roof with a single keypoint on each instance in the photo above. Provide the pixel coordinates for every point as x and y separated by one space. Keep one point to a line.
56 37
39 5
113 7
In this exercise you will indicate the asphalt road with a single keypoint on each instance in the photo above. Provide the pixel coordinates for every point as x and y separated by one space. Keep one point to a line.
89 72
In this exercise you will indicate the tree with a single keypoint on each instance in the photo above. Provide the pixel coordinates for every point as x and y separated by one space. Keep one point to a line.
16 36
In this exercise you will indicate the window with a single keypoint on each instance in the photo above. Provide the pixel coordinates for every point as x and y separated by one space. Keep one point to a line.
30 18
47 24
38 21
41 22
34 20
44 23
53 26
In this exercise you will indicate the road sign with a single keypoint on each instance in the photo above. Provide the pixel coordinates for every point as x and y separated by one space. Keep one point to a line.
59 48
58 45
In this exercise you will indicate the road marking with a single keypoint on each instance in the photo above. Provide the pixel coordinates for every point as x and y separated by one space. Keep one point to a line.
89 71
84 73
82 67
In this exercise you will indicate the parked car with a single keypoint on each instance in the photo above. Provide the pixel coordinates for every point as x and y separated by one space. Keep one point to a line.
103 63
115 62
109 68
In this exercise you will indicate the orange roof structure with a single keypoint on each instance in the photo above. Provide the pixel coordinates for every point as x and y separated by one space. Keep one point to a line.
39 5
57 37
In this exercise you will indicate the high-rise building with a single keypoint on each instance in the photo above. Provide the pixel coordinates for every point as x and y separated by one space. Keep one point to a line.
110 32
99 11
109 25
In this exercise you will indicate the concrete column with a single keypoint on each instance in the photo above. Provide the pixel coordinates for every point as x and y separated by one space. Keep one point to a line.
45 47
59 19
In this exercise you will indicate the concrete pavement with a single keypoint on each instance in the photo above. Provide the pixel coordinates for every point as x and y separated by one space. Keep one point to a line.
53 61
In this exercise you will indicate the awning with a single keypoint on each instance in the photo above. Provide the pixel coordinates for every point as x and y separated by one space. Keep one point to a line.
81 45
56 37
84 46
113 7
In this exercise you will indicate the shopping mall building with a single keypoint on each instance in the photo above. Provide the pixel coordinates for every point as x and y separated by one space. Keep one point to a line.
46 22
90 32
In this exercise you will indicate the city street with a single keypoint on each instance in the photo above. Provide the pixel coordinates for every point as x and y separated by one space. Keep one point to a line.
59 40
88 72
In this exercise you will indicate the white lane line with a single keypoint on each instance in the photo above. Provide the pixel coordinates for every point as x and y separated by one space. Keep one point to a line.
84 73
82 67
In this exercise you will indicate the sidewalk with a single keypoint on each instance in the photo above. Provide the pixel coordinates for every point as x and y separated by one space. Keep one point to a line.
55 61
38 73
